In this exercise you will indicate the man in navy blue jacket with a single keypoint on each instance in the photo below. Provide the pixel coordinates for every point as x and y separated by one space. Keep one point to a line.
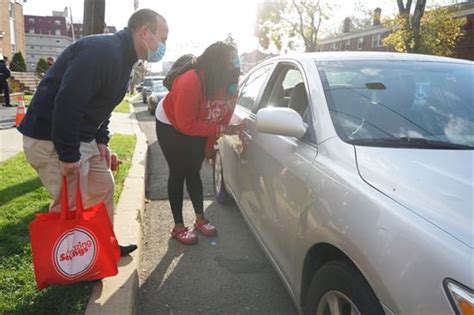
66 127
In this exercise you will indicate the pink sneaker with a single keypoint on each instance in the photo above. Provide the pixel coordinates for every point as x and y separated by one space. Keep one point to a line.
184 236
206 228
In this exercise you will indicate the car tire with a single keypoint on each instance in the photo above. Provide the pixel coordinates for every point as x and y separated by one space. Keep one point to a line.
151 109
340 281
222 196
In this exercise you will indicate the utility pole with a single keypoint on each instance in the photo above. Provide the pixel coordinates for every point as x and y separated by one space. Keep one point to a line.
94 17
136 4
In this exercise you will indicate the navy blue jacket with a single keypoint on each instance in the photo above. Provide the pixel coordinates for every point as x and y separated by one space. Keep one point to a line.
4 71
75 99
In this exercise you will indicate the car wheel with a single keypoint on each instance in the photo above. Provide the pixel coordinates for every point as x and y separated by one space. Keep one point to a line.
151 109
338 288
222 196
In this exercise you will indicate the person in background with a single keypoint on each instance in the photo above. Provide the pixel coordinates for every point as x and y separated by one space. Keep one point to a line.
189 120
4 75
50 62
65 130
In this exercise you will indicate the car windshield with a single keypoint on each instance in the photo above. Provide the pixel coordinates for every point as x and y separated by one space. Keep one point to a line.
396 102
158 87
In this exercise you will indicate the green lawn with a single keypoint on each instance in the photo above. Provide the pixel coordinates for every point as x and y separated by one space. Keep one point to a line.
22 195
122 107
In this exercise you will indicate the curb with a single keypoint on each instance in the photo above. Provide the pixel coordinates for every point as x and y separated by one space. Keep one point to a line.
117 295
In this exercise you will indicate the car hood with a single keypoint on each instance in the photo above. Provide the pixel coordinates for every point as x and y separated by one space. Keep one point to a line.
435 184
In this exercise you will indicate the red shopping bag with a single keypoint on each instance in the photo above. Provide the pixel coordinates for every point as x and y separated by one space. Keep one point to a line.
73 246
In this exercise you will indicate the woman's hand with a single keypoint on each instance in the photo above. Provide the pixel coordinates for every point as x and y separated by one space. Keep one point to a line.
234 129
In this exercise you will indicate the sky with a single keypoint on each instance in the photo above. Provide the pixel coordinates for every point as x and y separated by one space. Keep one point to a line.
194 25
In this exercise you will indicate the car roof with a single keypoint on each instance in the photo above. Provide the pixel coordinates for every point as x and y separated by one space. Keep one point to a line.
367 55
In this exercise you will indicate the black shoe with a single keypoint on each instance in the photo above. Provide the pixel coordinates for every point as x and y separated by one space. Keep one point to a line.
127 249
8 105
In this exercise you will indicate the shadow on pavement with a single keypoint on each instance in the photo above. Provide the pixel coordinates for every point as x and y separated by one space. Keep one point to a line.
226 274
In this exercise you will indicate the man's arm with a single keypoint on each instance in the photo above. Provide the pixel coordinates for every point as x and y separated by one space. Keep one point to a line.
103 133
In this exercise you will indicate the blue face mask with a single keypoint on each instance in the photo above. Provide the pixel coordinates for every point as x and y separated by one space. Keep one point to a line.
232 89
157 54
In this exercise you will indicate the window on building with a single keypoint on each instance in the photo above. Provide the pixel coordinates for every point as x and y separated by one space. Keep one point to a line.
32 30
360 43
376 41
58 32
32 47
11 9
347 46
57 22
31 20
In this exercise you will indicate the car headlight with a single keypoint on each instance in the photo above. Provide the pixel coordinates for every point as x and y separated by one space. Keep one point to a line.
461 297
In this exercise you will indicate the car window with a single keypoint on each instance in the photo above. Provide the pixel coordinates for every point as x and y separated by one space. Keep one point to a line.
287 89
253 86
399 100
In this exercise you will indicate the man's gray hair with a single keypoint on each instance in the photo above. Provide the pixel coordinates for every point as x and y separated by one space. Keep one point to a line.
144 17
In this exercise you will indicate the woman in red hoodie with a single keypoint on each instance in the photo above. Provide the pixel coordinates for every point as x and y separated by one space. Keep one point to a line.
190 119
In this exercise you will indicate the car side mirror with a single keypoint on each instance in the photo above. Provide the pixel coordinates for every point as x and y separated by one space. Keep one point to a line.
281 121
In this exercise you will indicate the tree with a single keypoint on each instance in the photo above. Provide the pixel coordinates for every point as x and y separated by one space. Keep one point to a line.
282 22
438 34
230 40
18 63
407 25
42 66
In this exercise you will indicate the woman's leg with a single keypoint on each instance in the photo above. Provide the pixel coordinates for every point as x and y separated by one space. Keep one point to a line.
173 146
193 176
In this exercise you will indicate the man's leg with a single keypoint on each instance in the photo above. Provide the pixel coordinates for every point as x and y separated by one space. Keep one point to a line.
6 93
100 182
42 156
100 185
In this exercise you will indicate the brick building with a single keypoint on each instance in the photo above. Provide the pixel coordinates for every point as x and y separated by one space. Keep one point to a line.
46 36
370 38
12 32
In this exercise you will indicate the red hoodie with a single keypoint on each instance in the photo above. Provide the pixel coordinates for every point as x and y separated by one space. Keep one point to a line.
191 113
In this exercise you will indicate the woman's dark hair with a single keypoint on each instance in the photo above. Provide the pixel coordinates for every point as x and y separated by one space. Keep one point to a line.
216 64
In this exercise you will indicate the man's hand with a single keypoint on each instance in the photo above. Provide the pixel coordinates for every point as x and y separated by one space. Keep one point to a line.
104 153
69 168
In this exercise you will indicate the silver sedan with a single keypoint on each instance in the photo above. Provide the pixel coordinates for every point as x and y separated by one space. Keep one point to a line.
355 174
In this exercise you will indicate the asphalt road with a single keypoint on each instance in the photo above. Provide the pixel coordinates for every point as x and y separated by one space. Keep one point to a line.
228 274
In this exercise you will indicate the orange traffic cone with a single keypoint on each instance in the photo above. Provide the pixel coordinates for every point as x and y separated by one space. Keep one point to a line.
20 111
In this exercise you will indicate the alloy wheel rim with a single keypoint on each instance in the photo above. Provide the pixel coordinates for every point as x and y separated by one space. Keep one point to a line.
336 303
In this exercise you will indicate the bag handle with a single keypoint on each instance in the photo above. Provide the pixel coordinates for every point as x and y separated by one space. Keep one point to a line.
65 199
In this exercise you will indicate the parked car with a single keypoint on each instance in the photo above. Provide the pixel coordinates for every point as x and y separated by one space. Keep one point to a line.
157 93
355 173
139 87
147 85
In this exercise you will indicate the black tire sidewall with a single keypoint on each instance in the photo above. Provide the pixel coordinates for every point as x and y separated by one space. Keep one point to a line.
345 278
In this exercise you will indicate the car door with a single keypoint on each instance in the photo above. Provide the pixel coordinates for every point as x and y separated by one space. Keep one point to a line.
279 166
235 168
